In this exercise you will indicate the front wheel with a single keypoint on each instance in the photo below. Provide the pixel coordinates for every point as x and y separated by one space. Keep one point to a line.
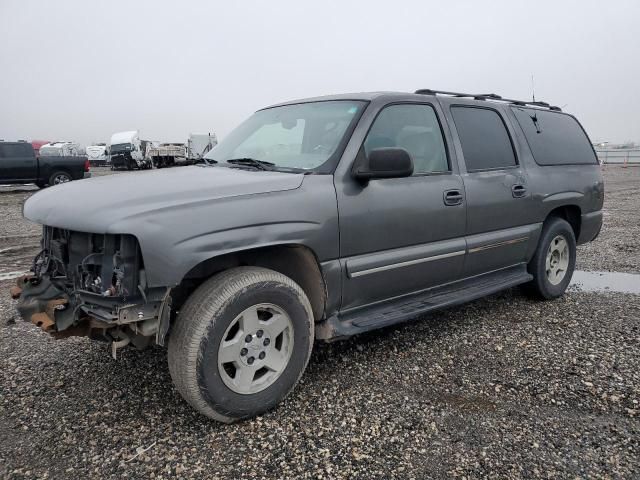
554 261
241 343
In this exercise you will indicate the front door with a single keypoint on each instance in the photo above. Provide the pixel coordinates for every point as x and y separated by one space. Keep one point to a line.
402 235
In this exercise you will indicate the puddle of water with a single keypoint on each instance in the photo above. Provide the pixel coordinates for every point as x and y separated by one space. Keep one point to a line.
11 275
606 282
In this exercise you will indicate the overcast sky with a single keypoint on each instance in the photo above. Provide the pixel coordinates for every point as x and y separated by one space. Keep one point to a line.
82 70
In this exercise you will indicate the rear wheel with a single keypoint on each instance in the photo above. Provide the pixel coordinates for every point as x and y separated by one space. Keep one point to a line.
241 343
58 178
554 261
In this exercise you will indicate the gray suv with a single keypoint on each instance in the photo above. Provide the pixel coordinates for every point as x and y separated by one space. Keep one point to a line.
314 219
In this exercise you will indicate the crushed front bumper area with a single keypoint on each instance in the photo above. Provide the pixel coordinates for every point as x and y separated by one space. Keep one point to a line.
110 319
39 302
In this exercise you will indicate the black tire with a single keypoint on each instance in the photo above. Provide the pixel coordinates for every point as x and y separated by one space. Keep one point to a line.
541 286
59 177
198 332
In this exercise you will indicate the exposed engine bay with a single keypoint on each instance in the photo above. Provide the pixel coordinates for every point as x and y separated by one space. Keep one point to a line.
85 284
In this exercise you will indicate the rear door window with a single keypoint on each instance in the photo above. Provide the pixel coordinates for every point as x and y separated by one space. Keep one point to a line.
555 138
486 144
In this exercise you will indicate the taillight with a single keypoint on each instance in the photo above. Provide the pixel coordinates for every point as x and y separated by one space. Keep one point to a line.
86 165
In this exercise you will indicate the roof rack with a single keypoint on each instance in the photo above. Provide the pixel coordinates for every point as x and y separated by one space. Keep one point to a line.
487 96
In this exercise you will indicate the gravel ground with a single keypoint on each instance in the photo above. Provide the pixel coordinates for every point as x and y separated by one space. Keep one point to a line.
503 387
617 248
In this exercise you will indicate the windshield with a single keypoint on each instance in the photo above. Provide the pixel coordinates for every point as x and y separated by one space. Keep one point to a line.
301 136
121 148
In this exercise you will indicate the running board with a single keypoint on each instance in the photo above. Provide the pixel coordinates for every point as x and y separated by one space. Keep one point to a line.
408 307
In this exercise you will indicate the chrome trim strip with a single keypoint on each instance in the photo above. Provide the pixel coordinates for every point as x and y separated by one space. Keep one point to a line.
499 244
405 264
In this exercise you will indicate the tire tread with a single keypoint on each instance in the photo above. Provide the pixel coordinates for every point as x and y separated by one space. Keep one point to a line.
195 318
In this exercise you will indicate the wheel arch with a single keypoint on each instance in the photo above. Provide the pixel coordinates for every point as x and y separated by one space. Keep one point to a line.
296 261
571 213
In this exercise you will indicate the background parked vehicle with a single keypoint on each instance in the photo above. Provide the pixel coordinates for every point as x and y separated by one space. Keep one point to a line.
98 154
19 164
168 154
199 144
128 152
61 149
36 144
179 154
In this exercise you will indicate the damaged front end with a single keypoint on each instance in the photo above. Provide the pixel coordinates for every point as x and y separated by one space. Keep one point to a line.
85 284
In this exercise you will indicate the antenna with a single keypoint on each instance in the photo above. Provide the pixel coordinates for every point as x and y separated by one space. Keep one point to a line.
533 89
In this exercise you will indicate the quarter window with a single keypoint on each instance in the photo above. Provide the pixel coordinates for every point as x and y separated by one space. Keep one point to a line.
485 141
414 128
555 138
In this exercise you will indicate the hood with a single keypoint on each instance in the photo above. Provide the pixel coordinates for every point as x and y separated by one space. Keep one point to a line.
103 204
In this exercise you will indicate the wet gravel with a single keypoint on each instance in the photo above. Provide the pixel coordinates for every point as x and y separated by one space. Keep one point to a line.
503 387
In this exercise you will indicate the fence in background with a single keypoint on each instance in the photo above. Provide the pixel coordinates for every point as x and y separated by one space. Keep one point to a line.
619 156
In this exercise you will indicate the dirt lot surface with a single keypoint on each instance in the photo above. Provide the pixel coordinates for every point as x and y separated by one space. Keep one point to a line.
504 387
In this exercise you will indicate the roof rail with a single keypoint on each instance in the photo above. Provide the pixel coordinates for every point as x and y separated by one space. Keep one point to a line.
487 96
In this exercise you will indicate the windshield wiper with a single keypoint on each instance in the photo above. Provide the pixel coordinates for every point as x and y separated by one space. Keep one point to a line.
252 162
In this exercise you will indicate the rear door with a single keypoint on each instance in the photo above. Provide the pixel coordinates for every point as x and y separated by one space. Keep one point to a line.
17 162
402 235
500 218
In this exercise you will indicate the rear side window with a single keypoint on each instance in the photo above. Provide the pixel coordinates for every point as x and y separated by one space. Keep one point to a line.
486 144
554 138
12 150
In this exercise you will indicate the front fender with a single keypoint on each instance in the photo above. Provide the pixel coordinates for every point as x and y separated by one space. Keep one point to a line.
174 242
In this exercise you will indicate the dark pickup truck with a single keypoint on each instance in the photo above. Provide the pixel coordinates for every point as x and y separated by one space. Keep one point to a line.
19 164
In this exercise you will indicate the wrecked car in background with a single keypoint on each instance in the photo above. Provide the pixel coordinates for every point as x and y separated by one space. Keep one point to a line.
128 152
320 218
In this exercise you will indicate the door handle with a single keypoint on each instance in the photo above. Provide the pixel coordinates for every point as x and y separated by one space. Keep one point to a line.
518 191
452 197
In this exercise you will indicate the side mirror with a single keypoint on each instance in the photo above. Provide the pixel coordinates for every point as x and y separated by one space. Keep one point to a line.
384 163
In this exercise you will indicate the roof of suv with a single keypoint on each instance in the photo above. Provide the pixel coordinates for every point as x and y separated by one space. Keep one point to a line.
420 95
362 96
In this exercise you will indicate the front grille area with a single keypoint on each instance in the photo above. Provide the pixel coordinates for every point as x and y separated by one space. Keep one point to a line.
108 265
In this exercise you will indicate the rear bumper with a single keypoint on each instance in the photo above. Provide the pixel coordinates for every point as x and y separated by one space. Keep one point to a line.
590 227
